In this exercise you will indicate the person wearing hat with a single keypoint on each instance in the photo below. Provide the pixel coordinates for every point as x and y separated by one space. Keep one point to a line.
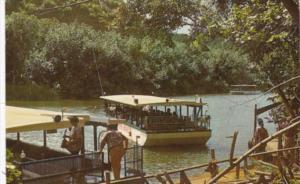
73 142
117 145
260 134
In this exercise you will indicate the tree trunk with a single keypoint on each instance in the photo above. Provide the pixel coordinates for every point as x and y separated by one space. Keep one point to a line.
293 9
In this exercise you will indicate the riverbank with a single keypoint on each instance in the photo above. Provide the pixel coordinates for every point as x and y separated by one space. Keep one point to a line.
30 91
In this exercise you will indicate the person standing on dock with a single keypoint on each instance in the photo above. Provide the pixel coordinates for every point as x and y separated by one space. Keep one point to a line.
117 145
73 142
260 134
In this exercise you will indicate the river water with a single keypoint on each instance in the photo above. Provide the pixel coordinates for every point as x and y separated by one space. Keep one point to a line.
229 113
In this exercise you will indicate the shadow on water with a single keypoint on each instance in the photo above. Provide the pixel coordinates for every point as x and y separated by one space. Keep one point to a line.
178 149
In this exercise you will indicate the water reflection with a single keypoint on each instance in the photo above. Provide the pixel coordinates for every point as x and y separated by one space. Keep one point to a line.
159 159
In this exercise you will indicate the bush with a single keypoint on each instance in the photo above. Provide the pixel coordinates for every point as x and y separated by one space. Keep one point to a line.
13 175
30 91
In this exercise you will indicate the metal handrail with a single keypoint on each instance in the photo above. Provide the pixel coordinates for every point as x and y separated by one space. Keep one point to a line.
55 158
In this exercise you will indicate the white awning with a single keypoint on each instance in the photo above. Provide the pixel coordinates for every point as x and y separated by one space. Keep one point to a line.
25 119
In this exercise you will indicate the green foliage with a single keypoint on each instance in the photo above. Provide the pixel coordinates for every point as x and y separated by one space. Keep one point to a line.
139 53
13 175
228 64
266 31
23 33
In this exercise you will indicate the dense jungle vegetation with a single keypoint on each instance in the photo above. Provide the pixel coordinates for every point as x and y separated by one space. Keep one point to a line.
59 48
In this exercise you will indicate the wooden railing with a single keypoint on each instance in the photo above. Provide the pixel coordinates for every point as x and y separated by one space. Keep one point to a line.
212 166
144 179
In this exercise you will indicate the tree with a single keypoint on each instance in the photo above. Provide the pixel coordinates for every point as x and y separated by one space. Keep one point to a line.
100 15
293 8
266 31
23 33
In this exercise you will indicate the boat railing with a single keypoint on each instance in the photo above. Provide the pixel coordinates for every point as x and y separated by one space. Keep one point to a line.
185 123
70 169
204 121
61 169
133 161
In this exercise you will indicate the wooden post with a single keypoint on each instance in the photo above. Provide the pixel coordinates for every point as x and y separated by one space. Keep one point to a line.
255 122
107 177
143 179
95 137
168 178
232 147
212 154
279 146
160 179
237 171
45 138
212 166
245 165
83 141
282 171
183 178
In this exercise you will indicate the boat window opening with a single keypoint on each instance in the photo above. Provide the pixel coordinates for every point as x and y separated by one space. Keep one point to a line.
168 121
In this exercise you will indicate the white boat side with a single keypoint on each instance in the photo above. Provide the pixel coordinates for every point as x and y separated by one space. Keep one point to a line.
144 138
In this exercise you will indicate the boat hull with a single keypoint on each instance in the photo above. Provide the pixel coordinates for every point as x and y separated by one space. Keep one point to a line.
144 138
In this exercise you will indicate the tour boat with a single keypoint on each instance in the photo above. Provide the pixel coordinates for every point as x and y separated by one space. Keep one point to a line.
159 121
244 89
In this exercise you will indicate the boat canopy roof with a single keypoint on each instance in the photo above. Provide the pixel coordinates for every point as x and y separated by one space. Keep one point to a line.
143 100
25 119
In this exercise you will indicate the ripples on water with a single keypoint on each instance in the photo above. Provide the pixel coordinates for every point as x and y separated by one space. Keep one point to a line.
227 117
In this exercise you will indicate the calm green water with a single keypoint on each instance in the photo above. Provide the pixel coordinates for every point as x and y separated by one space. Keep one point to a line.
227 116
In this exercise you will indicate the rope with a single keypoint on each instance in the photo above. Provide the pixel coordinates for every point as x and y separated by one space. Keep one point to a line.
98 73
